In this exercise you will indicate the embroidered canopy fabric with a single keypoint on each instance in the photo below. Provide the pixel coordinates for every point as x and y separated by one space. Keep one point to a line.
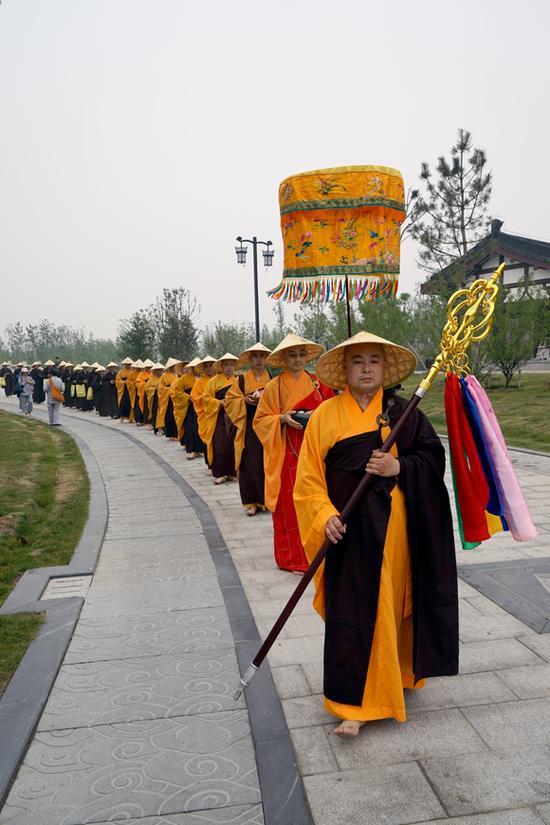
338 222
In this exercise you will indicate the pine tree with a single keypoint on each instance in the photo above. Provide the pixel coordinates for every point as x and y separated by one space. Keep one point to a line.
448 214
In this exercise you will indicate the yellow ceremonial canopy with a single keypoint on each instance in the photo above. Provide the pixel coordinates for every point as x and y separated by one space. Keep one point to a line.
337 224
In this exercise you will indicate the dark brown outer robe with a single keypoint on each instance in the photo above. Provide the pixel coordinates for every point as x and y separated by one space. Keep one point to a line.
352 571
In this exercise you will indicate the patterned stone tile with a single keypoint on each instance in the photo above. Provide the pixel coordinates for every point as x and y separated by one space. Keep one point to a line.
150 634
145 769
129 599
174 527
240 815
134 690
183 568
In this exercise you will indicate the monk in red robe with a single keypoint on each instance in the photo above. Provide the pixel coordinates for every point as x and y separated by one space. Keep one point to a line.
283 411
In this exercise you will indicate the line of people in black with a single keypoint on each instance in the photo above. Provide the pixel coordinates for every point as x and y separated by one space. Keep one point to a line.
88 387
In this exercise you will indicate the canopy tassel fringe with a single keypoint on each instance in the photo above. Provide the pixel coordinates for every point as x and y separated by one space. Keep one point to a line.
307 290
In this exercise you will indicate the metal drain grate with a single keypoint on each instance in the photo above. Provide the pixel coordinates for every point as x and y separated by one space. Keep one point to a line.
67 586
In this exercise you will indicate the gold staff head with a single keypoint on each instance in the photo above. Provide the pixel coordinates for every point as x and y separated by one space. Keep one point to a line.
469 319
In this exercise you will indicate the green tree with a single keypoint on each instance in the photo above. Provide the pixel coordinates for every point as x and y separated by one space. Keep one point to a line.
427 317
137 335
17 341
174 317
312 322
387 318
271 336
515 334
448 213
338 326
228 338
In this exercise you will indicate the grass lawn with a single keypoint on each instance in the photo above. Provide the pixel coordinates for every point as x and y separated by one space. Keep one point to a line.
523 411
44 492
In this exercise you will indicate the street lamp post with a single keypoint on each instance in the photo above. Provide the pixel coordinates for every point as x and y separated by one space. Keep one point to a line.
268 253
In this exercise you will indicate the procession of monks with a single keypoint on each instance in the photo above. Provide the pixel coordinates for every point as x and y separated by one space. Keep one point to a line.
298 443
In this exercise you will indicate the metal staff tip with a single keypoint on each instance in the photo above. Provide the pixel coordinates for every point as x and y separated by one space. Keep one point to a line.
245 681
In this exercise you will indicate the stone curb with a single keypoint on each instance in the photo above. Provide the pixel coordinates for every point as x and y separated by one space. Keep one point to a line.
27 693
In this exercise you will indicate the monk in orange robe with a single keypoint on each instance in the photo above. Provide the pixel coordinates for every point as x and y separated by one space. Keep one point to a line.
165 415
123 396
283 411
387 590
131 383
190 440
151 395
180 394
241 403
214 426
207 369
140 406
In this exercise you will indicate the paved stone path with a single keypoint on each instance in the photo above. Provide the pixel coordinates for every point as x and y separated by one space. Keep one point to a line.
475 750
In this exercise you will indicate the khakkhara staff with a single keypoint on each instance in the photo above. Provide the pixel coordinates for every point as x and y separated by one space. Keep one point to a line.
470 315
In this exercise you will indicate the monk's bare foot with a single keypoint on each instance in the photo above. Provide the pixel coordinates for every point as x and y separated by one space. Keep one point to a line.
348 728
190 456
251 511
220 480
297 572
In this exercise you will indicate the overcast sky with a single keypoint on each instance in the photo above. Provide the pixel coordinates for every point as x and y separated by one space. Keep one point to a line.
137 139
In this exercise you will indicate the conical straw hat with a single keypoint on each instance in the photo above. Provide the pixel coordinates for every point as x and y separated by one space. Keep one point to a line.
289 342
111 364
138 365
229 357
172 362
85 364
194 363
77 367
95 365
50 363
127 362
99 368
148 363
399 361
157 366
62 364
68 364
258 347
206 360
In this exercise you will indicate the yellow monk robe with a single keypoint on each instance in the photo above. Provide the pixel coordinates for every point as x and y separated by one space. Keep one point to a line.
390 664
179 393
210 409
196 397
131 384
163 392
236 407
141 381
281 394
120 382
151 391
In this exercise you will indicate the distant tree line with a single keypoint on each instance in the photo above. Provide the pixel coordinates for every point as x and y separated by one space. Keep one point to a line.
170 327
446 215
